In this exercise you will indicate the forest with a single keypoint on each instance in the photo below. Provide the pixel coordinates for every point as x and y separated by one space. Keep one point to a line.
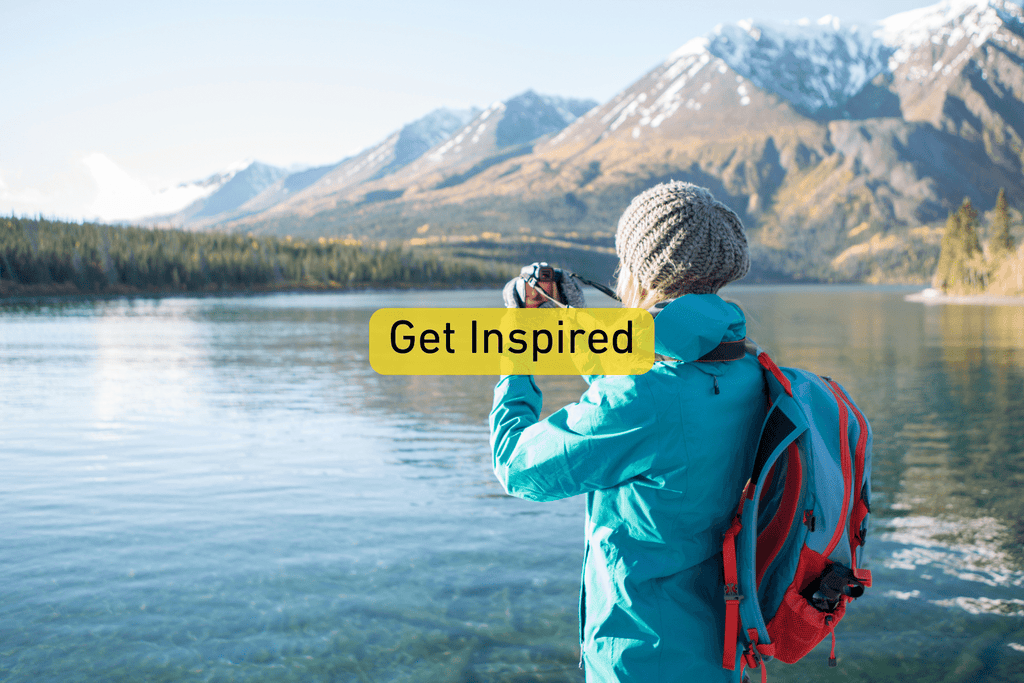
46 257
966 268
40 257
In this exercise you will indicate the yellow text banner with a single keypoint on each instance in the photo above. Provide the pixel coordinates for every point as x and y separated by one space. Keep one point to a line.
511 341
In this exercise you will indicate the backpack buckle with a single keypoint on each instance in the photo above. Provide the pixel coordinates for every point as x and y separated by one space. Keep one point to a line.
732 592
863 576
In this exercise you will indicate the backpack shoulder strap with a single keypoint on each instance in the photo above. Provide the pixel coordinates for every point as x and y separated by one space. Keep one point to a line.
783 424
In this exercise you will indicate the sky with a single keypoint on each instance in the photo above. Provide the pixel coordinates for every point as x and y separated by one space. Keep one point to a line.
104 104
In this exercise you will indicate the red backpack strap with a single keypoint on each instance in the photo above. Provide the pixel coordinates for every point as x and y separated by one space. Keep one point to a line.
860 507
755 653
768 364
732 593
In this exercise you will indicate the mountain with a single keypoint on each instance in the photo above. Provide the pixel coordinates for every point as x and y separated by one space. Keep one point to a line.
480 140
227 192
194 192
841 147
397 151
280 190
241 192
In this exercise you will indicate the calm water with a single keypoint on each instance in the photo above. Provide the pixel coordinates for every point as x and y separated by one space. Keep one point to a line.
223 490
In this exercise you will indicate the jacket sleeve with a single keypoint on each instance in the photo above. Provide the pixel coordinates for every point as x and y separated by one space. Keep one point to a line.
610 436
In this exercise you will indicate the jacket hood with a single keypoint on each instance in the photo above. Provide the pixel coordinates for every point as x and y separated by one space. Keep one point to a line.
692 325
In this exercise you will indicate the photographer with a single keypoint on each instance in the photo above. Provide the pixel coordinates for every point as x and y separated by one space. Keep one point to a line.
662 457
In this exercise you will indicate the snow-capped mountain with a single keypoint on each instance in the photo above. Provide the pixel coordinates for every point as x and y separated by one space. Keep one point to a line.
417 138
481 140
398 150
820 67
756 74
948 23
280 190
528 116
198 190
445 146
505 128
842 147
830 140
962 49
253 188
223 193
243 186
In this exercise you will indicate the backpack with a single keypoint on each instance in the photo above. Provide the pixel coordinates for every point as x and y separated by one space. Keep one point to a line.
792 555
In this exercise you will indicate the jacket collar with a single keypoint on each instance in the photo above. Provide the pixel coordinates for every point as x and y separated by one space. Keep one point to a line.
692 325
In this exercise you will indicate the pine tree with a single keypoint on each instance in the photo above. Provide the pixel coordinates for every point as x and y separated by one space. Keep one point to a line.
1002 243
949 254
974 274
961 268
969 227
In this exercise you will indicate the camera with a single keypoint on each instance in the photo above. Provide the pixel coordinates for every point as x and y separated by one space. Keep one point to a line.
540 272
564 287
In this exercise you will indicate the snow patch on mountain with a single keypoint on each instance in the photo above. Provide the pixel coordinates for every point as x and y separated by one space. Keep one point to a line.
204 187
653 106
415 139
817 68
243 186
529 116
515 122
455 138
947 23
694 46
401 148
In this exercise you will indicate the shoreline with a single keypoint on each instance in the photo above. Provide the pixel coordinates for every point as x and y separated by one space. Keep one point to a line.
53 294
933 297
61 294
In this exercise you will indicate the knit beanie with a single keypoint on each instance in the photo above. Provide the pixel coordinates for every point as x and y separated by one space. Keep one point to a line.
676 238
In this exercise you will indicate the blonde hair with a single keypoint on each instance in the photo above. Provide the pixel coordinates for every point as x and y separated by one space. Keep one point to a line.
632 294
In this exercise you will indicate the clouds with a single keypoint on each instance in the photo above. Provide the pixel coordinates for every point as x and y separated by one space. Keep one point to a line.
123 197
21 201
118 195
95 187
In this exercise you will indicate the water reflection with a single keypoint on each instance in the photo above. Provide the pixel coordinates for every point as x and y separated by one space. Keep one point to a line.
167 351
325 348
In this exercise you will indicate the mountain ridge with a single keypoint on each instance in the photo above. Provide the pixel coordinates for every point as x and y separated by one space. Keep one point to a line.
825 138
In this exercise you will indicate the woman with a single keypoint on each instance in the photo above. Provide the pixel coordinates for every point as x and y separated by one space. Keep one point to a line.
662 457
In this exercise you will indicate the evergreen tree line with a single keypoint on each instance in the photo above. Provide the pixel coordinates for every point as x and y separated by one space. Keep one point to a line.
43 256
964 267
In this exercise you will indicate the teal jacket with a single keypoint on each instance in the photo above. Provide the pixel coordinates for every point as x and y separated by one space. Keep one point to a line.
662 458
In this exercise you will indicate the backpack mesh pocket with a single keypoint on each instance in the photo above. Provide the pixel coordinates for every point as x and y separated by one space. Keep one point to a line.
798 626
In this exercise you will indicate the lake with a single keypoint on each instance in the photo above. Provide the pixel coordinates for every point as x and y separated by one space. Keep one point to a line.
222 489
